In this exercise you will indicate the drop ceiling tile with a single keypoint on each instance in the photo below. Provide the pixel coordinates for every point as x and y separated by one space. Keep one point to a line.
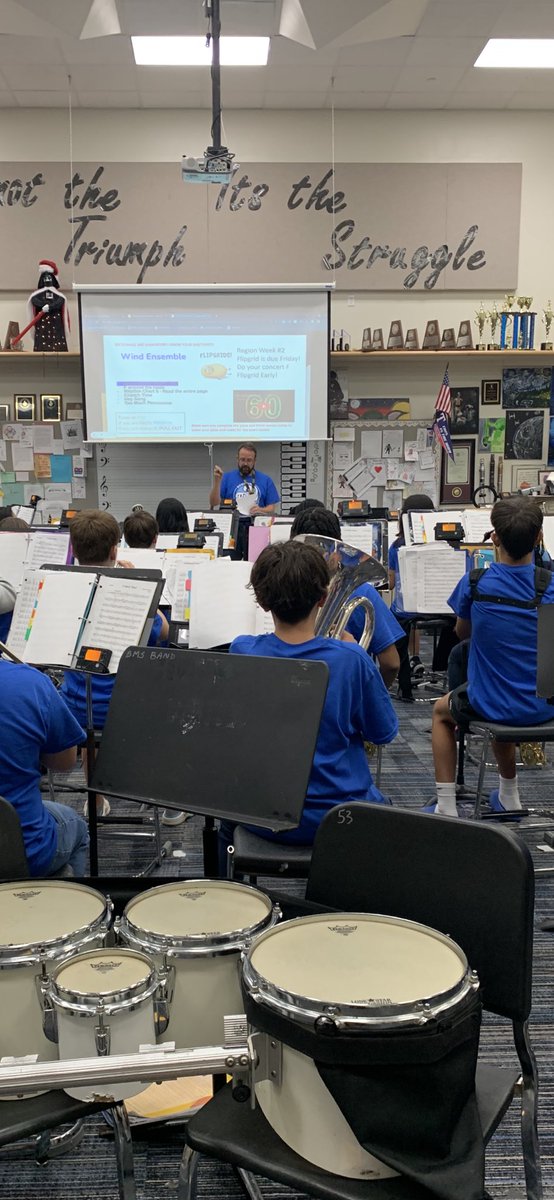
417 100
424 79
359 100
298 78
435 51
365 79
478 100
296 100
393 52
168 79
458 18
106 99
42 77
7 100
29 50
540 101
116 49
533 19
41 99
175 99
482 80
104 77
282 50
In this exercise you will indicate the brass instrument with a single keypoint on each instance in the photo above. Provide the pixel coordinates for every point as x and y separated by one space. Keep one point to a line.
349 569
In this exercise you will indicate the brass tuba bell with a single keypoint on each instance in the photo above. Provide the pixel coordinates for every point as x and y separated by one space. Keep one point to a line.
349 569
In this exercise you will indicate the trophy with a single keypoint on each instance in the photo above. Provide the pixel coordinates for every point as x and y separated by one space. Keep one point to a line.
548 317
11 334
464 340
432 337
448 339
480 321
377 342
494 317
505 317
366 339
526 323
396 336
412 340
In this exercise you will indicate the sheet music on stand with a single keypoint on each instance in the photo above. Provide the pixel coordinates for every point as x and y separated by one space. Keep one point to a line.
20 551
61 609
428 576
419 527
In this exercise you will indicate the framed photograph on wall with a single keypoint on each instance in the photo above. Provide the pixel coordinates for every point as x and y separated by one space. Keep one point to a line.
491 391
543 476
51 406
4 413
457 476
465 411
24 407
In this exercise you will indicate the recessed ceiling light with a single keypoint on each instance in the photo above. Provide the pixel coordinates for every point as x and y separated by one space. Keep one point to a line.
193 51
529 53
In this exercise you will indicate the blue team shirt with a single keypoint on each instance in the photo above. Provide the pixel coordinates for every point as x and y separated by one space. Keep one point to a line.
5 625
74 687
502 670
34 720
386 631
234 484
357 708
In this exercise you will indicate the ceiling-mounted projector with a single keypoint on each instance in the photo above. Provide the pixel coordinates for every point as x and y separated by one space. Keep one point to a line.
212 168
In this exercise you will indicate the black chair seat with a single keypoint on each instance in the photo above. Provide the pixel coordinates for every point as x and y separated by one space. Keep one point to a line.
258 856
514 733
236 1134
23 1118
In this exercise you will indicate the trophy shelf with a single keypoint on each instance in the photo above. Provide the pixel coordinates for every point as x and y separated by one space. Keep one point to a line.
25 355
347 356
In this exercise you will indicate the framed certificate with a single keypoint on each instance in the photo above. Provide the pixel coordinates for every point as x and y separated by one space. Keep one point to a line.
457 476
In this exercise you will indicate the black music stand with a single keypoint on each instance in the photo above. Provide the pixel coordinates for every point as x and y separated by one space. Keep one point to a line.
151 576
224 735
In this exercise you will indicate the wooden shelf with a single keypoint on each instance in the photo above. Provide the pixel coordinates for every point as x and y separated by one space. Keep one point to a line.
25 355
345 356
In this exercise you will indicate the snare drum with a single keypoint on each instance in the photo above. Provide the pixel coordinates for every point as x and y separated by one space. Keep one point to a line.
104 1004
41 922
200 928
352 975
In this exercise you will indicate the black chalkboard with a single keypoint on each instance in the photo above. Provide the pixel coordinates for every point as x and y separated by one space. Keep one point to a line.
226 735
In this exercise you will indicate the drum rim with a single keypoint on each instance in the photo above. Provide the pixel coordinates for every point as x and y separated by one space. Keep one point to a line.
88 1003
355 1016
29 953
196 944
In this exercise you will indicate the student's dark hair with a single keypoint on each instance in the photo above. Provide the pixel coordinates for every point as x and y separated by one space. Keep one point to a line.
14 525
417 503
5 512
517 521
171 516
304 505
93 536
288 579
140 529
247 446
316 520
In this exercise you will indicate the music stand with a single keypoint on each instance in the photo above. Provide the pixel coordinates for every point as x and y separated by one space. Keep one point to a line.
224 735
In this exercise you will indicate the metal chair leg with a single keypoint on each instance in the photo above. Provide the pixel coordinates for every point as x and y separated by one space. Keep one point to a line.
124 1153
248 1184
188 1171
482 768
529 1099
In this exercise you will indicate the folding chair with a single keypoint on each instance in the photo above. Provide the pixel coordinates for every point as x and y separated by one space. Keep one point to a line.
471 881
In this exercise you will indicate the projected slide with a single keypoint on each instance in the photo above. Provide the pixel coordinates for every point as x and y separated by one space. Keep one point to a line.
197 387
205 366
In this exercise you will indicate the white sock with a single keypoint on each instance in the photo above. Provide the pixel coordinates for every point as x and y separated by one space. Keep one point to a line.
446 799
508 793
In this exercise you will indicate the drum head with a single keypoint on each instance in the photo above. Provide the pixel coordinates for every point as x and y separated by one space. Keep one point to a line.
198 908
103 972
358 959
41 913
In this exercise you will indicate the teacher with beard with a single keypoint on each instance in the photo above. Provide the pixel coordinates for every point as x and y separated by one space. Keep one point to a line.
252 492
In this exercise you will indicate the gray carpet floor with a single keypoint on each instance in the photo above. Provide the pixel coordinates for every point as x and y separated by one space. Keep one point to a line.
89 1172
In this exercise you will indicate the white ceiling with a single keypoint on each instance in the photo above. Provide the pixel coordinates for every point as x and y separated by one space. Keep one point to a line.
355 54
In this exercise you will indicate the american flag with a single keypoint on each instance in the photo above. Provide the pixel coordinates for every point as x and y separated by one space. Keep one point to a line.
444 398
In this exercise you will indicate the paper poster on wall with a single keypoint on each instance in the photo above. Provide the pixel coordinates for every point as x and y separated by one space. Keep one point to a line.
384 408
526 387
492 431
343 455
393 441
61 468
43 439
72 434
341 487
524 434
22 457
371 443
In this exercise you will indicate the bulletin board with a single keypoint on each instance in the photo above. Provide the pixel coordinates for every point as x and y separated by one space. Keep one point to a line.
388 475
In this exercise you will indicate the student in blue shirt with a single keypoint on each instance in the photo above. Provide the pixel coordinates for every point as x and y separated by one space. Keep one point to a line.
290 580
95 540
387 632
38 728
245 480
409 666
502 668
